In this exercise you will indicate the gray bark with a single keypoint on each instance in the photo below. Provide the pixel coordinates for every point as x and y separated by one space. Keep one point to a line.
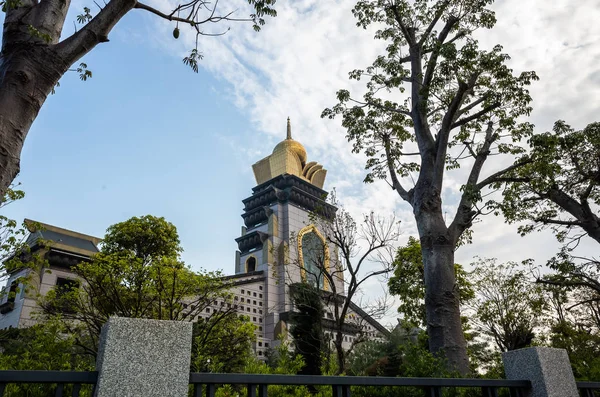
442 302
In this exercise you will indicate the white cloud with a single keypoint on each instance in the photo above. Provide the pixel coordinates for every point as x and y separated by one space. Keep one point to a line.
296 64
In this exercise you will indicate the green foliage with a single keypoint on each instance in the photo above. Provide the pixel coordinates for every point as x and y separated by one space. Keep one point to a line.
192 59
15 253
559 187
46 347
85 16
262 9
138 274
222 343
36 33
409 285
306 326
83 71
509 307
452 64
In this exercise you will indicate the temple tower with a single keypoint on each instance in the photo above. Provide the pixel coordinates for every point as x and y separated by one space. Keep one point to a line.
280 238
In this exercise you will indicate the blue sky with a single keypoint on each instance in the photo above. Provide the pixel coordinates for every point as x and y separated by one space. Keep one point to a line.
147 136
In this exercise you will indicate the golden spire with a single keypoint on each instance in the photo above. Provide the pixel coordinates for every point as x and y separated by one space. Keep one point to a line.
289 129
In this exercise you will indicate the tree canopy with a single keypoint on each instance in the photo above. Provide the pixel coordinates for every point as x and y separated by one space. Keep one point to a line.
559 187
138 273
435 101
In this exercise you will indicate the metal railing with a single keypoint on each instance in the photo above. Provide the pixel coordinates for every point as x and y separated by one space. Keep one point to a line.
205 384
589 389
58 378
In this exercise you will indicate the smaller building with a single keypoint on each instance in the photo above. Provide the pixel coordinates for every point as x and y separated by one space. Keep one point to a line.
62 249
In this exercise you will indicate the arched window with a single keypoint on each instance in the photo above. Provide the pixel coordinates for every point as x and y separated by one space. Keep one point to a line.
313 256
251 264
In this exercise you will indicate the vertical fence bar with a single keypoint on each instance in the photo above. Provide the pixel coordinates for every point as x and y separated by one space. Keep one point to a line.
346 391
59 390
489 392
210 390
336 390
433 391
262 390
251 390
198 390
76 389
2 387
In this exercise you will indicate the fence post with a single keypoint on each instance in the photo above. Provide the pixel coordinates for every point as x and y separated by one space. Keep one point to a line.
139 357
548 369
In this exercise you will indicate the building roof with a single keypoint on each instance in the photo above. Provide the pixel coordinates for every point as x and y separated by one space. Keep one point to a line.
62 239
289 157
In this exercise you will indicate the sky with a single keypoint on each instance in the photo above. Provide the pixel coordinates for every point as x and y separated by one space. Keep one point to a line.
145 135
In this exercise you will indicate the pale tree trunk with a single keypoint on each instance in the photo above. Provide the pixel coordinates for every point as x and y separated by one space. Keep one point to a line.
442 301
27 76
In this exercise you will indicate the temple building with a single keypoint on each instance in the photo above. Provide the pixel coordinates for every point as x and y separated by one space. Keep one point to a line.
278 246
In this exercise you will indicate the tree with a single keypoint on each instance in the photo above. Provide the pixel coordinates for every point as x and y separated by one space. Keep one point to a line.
44 347
362 252
559 188
509 307
138 274
35 54
461 107
408 283
306 326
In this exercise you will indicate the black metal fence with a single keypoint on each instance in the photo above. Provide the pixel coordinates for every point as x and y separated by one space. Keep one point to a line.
62 383
58 382
589 389
205 385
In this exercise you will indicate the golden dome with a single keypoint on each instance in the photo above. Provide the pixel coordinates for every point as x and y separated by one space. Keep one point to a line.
295 146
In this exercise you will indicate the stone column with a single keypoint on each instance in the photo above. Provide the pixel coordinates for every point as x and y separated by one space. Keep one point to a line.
548 369
139 357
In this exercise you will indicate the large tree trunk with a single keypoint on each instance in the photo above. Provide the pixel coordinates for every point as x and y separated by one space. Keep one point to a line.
27 75
442 302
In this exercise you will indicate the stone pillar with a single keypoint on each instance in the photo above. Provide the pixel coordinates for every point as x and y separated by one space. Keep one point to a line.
548 369
139 357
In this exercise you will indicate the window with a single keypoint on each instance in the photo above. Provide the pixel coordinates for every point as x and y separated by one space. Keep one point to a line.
254 302
254 319
242 291
254 310
259 303
260 295
260 352
260 328
260 287
235 298
242 300
260 311
260 320
313 256
12 293
208 309
254 294
260 344
250 264
266 344
248 293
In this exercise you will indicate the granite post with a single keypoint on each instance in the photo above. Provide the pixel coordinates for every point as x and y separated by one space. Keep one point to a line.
548 369
139 357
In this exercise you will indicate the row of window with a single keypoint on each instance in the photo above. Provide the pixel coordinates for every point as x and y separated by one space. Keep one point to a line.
251 293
